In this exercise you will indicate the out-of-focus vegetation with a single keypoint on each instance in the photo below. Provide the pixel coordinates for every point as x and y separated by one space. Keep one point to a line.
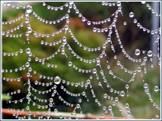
130 35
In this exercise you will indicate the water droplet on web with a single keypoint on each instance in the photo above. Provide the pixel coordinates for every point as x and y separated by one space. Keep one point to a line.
127 105
94 71
55 110
83 19
66 28
131 14
88 23
143 2
57 80
118 4
124 23
27 108
145 85
71 2
149 53
83 93
143 51
139 69
94 29
51 100
27 64
29 9
110 108
44 4
135 21
116 99
69 63
156 88
28 51
77 106
115 57
137 52
105 95
126 86
108 66
29 30
50 104
28 74
64 40
36 82
118 62
122 93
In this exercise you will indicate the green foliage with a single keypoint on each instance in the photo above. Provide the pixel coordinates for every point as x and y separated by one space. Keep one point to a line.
5 97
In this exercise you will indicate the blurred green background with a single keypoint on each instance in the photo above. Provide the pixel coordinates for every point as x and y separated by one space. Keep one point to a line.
130 35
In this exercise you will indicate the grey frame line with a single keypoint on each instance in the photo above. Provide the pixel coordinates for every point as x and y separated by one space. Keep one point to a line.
1 64
80 0
1 86
160 61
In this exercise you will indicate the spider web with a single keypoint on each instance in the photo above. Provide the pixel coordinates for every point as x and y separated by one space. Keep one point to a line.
51 91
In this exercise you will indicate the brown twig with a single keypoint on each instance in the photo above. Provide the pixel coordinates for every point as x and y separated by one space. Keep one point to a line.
54 114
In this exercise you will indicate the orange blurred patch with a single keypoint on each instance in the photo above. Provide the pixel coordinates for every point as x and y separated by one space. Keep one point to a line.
77 23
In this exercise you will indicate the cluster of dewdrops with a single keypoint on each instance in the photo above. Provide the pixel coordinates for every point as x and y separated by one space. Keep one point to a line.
56 82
